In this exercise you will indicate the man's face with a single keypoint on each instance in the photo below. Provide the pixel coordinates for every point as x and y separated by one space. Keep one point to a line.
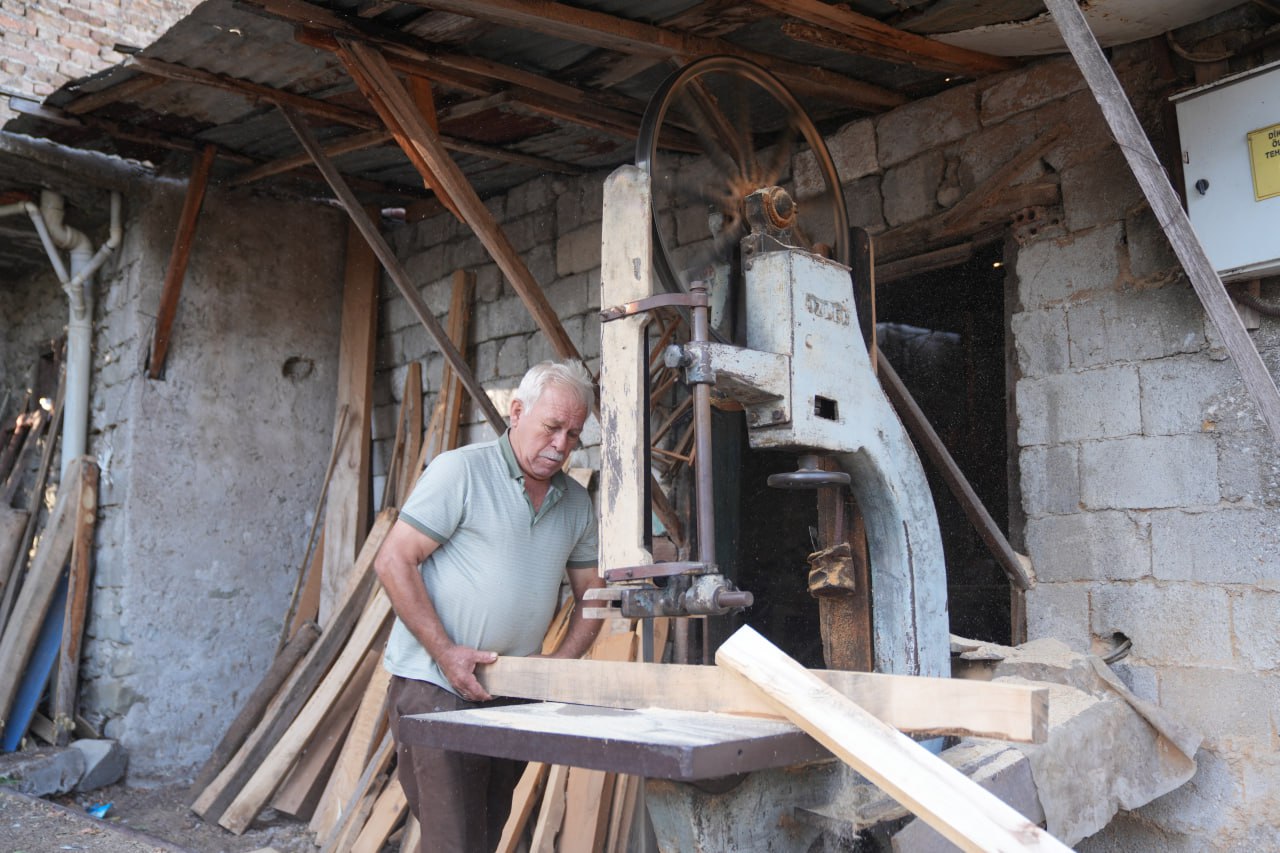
542 435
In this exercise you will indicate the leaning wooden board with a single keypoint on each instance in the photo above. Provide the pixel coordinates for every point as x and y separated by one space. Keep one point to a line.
961 810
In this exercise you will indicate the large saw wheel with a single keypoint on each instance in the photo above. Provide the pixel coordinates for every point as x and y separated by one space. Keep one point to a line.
750 127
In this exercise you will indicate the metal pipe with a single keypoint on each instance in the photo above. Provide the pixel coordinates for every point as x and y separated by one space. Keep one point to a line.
705 505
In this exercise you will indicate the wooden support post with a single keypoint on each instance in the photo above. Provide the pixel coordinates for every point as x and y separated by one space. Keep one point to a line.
1166 206
964 812
79 578
346 513
844 604
379 84
396 271
177 271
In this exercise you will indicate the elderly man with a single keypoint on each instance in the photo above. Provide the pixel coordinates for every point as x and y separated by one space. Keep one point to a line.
473 568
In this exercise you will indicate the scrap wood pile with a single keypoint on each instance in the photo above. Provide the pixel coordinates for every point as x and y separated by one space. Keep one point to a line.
44 571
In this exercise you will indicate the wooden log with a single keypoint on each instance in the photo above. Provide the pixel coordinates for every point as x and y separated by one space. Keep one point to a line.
18 641
79 576
1165 204
963 811
181 253
914 704
373 624
523 800
346 515
254 707
15 466
294 693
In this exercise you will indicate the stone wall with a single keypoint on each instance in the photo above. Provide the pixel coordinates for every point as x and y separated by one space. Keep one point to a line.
1149 490
46 43
209 475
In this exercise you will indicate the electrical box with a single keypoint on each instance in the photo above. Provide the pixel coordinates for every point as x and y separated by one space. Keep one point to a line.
1230 132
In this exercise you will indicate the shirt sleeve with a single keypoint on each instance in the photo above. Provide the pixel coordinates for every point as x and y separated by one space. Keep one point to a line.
586 552
435 506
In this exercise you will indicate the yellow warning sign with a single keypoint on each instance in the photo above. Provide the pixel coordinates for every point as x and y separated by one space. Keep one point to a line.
1264 156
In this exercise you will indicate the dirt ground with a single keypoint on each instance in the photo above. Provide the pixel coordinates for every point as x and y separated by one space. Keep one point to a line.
139 820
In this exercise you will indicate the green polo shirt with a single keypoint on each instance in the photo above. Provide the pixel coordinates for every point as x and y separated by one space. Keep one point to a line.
495 579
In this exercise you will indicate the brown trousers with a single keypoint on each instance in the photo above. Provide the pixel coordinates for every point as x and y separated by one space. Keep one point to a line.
460 800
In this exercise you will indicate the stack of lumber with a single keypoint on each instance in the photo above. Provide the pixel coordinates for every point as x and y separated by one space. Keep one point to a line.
312 740
44 576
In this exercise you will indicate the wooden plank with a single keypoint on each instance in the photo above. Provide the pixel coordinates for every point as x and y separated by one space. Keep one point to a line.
367 730
355 142
373 624
302 787
551 812
308 609
412 836
379 84
373 777
395 270
956 806
999 180
13 525
294 693
877 40
914 704
622 813
346 513
446 418
409 392
181 253
1154 181
523 800
304 578
974 509
20 634
18 463
413 443
633 37
79 577
390 807
125 90
255 706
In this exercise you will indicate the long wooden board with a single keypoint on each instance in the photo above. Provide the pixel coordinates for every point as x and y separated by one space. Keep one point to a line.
1154 181
963 811
912 704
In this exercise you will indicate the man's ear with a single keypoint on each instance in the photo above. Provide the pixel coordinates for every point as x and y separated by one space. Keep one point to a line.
517 409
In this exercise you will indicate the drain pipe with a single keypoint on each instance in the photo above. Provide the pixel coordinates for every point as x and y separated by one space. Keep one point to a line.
56 235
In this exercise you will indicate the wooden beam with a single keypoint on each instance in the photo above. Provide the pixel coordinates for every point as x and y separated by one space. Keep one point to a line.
125 90
915 420
523 799
177 271
878 40
256 92
383 89
914 704
632 37
355 142
1135 145
960 809
79 578
346 510
396 271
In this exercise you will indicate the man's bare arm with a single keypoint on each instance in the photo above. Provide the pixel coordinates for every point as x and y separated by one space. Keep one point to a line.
397 568
581 632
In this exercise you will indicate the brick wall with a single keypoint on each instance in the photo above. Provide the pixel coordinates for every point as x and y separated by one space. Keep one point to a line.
46 43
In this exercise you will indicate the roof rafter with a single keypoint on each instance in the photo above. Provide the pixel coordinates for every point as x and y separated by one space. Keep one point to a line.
634 38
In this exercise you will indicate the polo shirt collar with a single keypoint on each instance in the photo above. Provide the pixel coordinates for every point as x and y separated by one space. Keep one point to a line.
558 480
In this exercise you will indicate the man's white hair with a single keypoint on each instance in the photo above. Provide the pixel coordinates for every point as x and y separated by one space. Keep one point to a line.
570 374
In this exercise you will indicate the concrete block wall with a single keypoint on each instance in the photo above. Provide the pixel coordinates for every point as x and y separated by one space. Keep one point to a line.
1148 486
47 43
209 475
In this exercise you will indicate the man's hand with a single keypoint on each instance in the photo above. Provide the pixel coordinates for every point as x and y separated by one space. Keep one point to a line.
458 664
